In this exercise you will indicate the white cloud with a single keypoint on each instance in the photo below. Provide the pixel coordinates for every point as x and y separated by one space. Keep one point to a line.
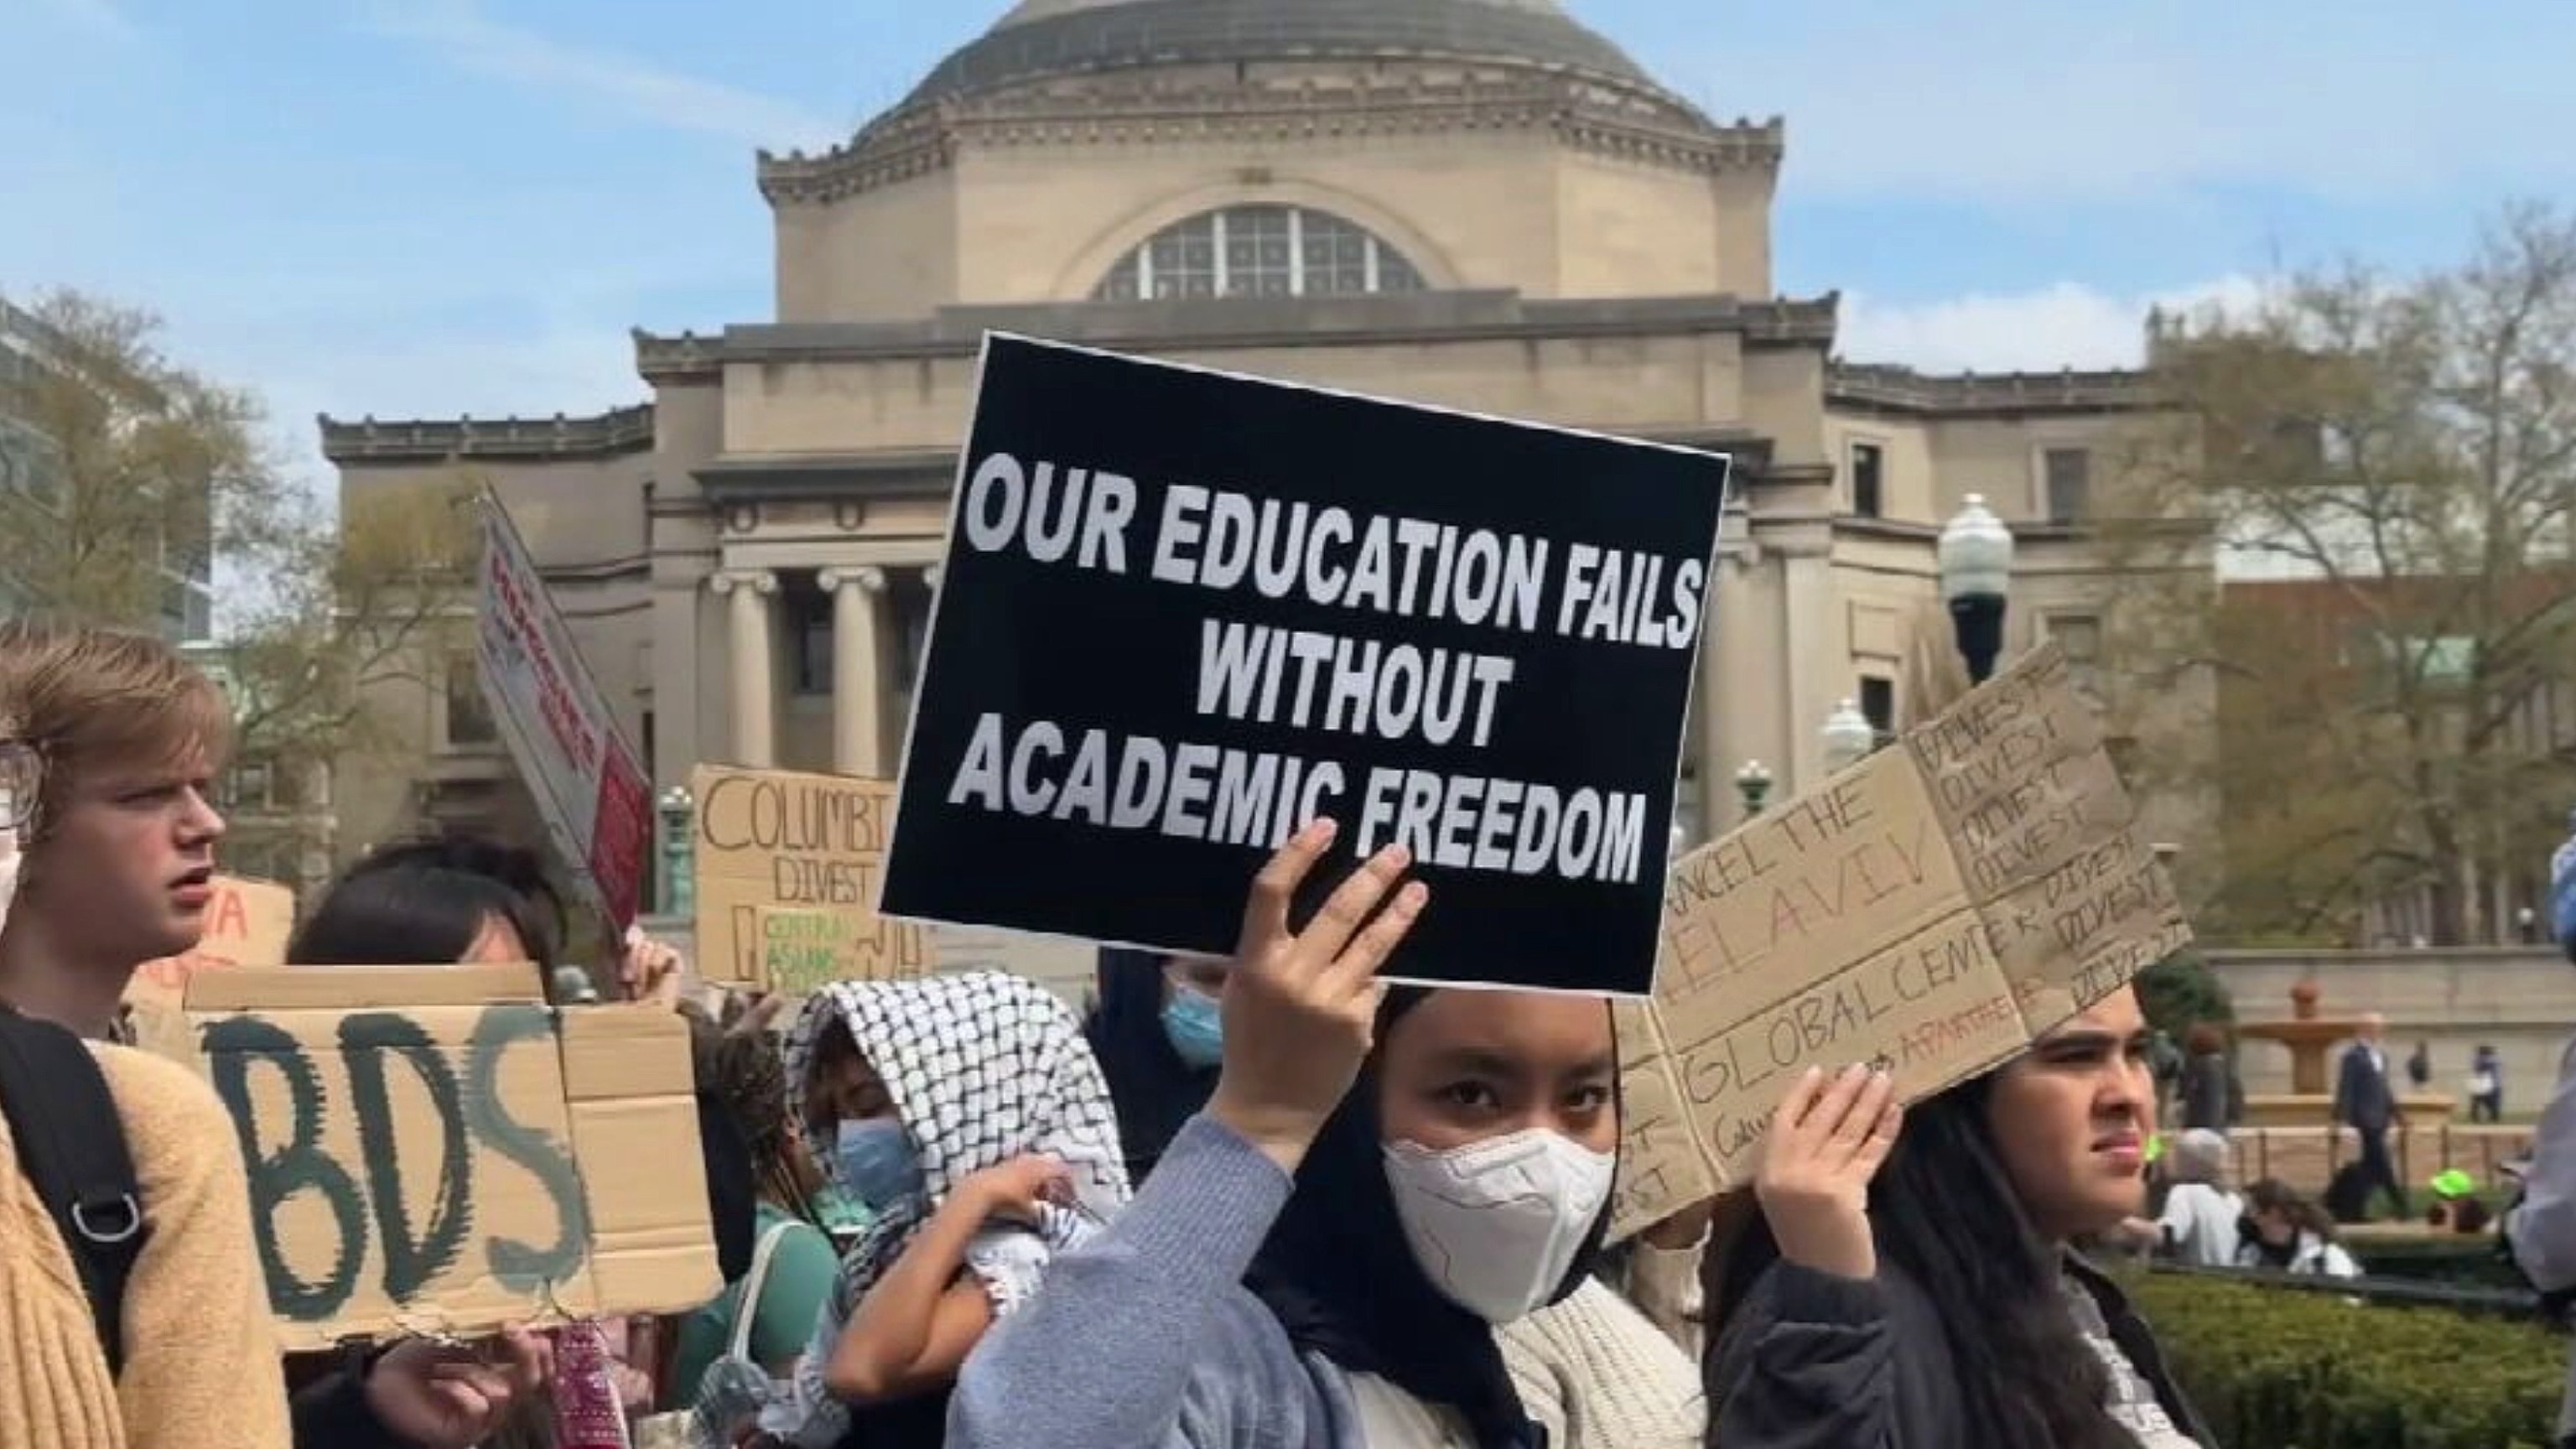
459 31
2065 325
2044 103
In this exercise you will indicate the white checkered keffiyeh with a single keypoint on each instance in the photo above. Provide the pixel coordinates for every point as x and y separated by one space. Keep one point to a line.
982 1067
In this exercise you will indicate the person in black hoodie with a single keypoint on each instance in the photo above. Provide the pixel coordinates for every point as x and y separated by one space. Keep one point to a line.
453 899
1917 1287
1156 1032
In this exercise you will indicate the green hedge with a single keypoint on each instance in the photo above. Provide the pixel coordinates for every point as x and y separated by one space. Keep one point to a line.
2464 1262
2282 1369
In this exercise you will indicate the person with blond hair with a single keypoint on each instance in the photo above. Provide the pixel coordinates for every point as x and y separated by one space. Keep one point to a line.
183 1342
121 837
118 828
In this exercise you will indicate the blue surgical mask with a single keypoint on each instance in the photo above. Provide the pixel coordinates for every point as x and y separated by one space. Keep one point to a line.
1192 1023
876 1161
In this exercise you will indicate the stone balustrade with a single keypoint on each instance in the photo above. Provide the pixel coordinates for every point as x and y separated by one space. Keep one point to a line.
2520 1000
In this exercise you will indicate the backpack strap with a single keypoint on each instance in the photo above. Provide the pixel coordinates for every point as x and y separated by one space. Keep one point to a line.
72 1146
753 1282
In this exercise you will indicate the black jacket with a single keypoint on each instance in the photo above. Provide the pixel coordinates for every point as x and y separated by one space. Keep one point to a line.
2205 1093
332 1412
1811 1361
2364 1100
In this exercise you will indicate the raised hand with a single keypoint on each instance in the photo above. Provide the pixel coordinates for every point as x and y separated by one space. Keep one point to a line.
1018 1188
649 970
1827 1141
1301 1006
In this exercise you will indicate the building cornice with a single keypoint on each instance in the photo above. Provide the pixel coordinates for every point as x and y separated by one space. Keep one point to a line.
1905 392
919 139
610 434
892 473
1218 324
930 472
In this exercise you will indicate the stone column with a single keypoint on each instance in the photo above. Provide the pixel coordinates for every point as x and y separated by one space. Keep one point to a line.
1733 669
755 739
1808 634
856 749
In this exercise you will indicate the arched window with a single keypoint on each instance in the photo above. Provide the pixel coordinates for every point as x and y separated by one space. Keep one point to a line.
1259 251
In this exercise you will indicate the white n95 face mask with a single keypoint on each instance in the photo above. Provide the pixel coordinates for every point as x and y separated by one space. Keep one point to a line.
1495 1224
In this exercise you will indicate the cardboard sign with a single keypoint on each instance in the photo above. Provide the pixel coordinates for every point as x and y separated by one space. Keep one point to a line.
788 871
589 786
1934 910
1183 612
801 950
1659 1174
248 923
435 1150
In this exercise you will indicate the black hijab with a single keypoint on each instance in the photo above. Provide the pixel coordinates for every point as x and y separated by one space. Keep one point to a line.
733 1197
1153 1091
1339 1275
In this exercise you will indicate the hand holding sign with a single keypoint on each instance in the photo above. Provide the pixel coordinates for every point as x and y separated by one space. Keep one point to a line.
451 1396
1301 1007
1827 1141
650 970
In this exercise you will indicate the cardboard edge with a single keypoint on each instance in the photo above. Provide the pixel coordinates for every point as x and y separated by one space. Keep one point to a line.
358 988
684 1176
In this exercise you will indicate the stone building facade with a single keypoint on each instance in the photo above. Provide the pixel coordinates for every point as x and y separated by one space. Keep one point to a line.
1475 203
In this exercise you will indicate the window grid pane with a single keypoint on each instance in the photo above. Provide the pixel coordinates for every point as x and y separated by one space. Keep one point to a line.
1260 251
1257 256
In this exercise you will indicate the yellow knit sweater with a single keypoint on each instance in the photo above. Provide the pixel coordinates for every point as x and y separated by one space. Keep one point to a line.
201 1363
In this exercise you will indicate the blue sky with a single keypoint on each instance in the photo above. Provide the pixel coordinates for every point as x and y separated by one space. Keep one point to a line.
431 207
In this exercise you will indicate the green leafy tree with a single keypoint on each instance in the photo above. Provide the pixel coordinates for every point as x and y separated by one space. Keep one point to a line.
2394 458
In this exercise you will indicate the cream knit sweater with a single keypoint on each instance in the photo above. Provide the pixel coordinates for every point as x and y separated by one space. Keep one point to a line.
201 1364
1597 1374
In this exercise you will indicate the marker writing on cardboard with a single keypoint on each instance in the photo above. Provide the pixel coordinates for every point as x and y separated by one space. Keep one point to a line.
810 830
1743 905
1810 1025
289 1160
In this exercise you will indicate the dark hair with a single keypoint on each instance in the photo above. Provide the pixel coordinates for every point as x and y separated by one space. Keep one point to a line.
747 1075
1944 1213
2206 1038
425 902
1339 1274
1152 1089
2272 1195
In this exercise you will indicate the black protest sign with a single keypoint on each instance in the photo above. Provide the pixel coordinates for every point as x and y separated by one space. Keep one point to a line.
424 1149
1183 612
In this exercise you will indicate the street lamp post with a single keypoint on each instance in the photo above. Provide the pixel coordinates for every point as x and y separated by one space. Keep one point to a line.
1849 737
1753 782
679 893
1975 557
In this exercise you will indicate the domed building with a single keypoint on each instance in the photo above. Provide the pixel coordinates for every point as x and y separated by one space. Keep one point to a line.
1476 203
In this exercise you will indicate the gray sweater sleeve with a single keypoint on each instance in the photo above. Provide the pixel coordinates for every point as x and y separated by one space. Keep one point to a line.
2543 1230
1144 1337
1810 1361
